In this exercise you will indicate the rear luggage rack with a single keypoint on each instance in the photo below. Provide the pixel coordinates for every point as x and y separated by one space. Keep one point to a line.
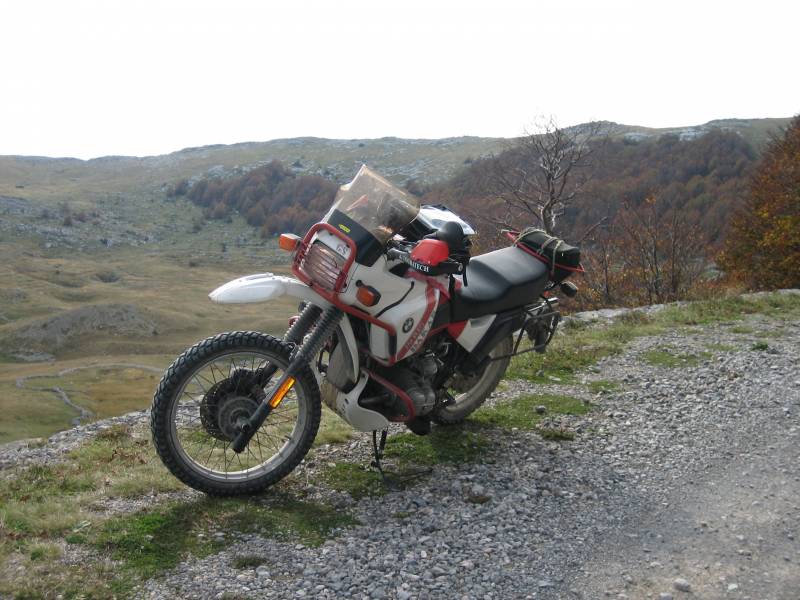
562 259
539 324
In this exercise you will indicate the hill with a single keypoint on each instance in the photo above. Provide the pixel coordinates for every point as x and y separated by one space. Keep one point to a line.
702 171
103 270
400 159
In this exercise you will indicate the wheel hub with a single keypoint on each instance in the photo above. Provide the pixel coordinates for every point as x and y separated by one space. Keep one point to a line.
234 411
227 405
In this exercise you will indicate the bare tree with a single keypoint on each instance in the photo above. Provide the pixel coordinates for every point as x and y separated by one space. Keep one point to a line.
546 171
601 263
645 254
661 251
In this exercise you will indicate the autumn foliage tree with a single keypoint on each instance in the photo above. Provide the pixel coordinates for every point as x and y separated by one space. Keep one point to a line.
645 254
762 249
271 197
704 178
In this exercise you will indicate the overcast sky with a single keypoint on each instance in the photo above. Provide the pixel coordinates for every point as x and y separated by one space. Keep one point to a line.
87 79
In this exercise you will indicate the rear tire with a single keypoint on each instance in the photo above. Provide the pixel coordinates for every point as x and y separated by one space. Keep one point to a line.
475 390
180 425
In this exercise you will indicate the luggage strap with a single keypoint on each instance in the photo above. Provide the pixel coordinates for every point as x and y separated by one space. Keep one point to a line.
551 241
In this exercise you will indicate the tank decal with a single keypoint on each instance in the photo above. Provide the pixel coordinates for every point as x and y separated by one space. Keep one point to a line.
417 337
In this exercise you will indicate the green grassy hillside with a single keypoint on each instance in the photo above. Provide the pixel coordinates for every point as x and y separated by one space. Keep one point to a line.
106 279
71 179
59 178
100 322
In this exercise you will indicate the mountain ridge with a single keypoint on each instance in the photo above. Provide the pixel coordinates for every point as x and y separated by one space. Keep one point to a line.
622 128
400 159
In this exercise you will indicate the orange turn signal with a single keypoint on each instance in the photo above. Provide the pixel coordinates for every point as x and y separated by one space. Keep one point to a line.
288 241
368 296
279 395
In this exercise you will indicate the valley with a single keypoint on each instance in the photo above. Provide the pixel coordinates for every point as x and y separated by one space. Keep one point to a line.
106 277
98 324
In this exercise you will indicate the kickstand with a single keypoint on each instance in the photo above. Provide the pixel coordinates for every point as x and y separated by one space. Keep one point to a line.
392 483
377 449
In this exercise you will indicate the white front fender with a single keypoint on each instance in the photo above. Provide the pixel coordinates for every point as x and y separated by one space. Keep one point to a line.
264 287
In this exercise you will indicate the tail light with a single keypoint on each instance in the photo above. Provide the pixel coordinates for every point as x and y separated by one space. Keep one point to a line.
322 266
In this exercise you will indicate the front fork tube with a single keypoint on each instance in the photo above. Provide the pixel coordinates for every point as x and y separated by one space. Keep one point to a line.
301 356
294 335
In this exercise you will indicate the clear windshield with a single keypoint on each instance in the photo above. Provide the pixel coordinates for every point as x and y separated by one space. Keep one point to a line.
378 206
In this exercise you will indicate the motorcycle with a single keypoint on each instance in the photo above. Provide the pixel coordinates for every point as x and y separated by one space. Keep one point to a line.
398 323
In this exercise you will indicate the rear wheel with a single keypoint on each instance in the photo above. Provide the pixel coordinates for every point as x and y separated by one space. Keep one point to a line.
470 393
206 395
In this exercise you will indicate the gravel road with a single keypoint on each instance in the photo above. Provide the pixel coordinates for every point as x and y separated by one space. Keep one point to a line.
685 483
682 483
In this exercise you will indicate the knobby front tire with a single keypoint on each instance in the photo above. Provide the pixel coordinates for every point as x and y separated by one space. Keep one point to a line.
206 391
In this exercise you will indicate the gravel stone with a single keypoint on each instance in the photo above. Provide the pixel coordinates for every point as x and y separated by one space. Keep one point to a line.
682 585
663 475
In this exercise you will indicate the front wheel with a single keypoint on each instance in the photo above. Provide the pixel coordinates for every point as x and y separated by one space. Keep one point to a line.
206 395
469 393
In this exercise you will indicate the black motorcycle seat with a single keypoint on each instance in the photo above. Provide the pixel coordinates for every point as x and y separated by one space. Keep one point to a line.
499 281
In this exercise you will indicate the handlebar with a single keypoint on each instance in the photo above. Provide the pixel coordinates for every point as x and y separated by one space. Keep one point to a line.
446 267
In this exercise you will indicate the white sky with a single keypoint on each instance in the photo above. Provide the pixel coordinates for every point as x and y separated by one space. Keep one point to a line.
85 79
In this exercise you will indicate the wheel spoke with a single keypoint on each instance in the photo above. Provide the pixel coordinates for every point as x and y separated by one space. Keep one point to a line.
210 407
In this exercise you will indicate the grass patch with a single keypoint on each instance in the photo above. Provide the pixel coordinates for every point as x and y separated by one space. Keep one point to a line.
31 413
580 348
43 504
151 542
115 433
730 309
760 346
148 543
721 347
248 561
603 386
125 464
332 429
742 330
665 358
558 434
45 551
48 499
105 390
521 412
770 334
582 345
357 480
454 444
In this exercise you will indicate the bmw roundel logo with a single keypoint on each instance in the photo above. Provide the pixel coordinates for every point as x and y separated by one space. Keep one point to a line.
407 325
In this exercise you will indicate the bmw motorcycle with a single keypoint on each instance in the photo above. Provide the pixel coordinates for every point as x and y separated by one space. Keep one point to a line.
398 323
